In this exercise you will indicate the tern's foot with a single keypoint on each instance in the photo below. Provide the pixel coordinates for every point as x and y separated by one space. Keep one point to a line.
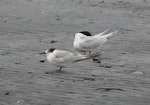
96 60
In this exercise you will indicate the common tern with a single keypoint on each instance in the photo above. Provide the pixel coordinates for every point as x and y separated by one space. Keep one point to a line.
62 58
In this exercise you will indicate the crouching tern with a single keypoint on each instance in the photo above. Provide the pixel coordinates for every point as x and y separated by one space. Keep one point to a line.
62 58
84 41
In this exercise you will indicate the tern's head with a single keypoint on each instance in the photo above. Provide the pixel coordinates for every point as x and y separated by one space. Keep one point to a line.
48 51
86 33
82 34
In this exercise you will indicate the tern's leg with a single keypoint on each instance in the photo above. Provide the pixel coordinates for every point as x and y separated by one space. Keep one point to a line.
99 59
60 69
89 52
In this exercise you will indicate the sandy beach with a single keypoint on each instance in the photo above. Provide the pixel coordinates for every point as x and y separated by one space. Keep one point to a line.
28 27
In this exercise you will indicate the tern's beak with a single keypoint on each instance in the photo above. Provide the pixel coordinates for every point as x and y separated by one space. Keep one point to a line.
43 53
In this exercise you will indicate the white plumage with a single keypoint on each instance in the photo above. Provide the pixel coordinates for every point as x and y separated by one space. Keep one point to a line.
61 58
83 43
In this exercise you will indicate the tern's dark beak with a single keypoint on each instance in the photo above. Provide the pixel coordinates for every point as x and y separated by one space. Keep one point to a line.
42 53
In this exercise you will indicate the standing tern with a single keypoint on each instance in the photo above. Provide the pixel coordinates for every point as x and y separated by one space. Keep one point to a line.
83 42
61 58
86 33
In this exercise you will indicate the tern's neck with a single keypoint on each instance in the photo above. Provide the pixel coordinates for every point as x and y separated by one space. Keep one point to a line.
48 54
79 35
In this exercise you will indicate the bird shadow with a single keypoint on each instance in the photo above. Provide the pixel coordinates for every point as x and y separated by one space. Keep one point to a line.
57 72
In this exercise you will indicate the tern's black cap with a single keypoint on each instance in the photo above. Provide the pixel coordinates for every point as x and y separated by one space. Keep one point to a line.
51 49
87 33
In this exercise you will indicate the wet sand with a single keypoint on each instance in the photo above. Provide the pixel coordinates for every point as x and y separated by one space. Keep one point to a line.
28 27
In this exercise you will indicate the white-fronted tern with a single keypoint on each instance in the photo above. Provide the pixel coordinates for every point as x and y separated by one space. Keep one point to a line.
84 41
62 58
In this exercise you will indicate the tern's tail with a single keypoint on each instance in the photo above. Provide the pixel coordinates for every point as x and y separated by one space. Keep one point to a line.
85 57
109 35
104 32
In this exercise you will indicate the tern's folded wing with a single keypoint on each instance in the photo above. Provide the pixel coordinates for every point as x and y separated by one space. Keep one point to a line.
90 43
62 56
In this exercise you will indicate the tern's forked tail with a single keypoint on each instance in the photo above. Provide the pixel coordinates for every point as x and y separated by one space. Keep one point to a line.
85 57
109 35
104 32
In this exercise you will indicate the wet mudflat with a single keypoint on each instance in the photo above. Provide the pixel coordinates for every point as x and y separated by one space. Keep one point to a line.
28 27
